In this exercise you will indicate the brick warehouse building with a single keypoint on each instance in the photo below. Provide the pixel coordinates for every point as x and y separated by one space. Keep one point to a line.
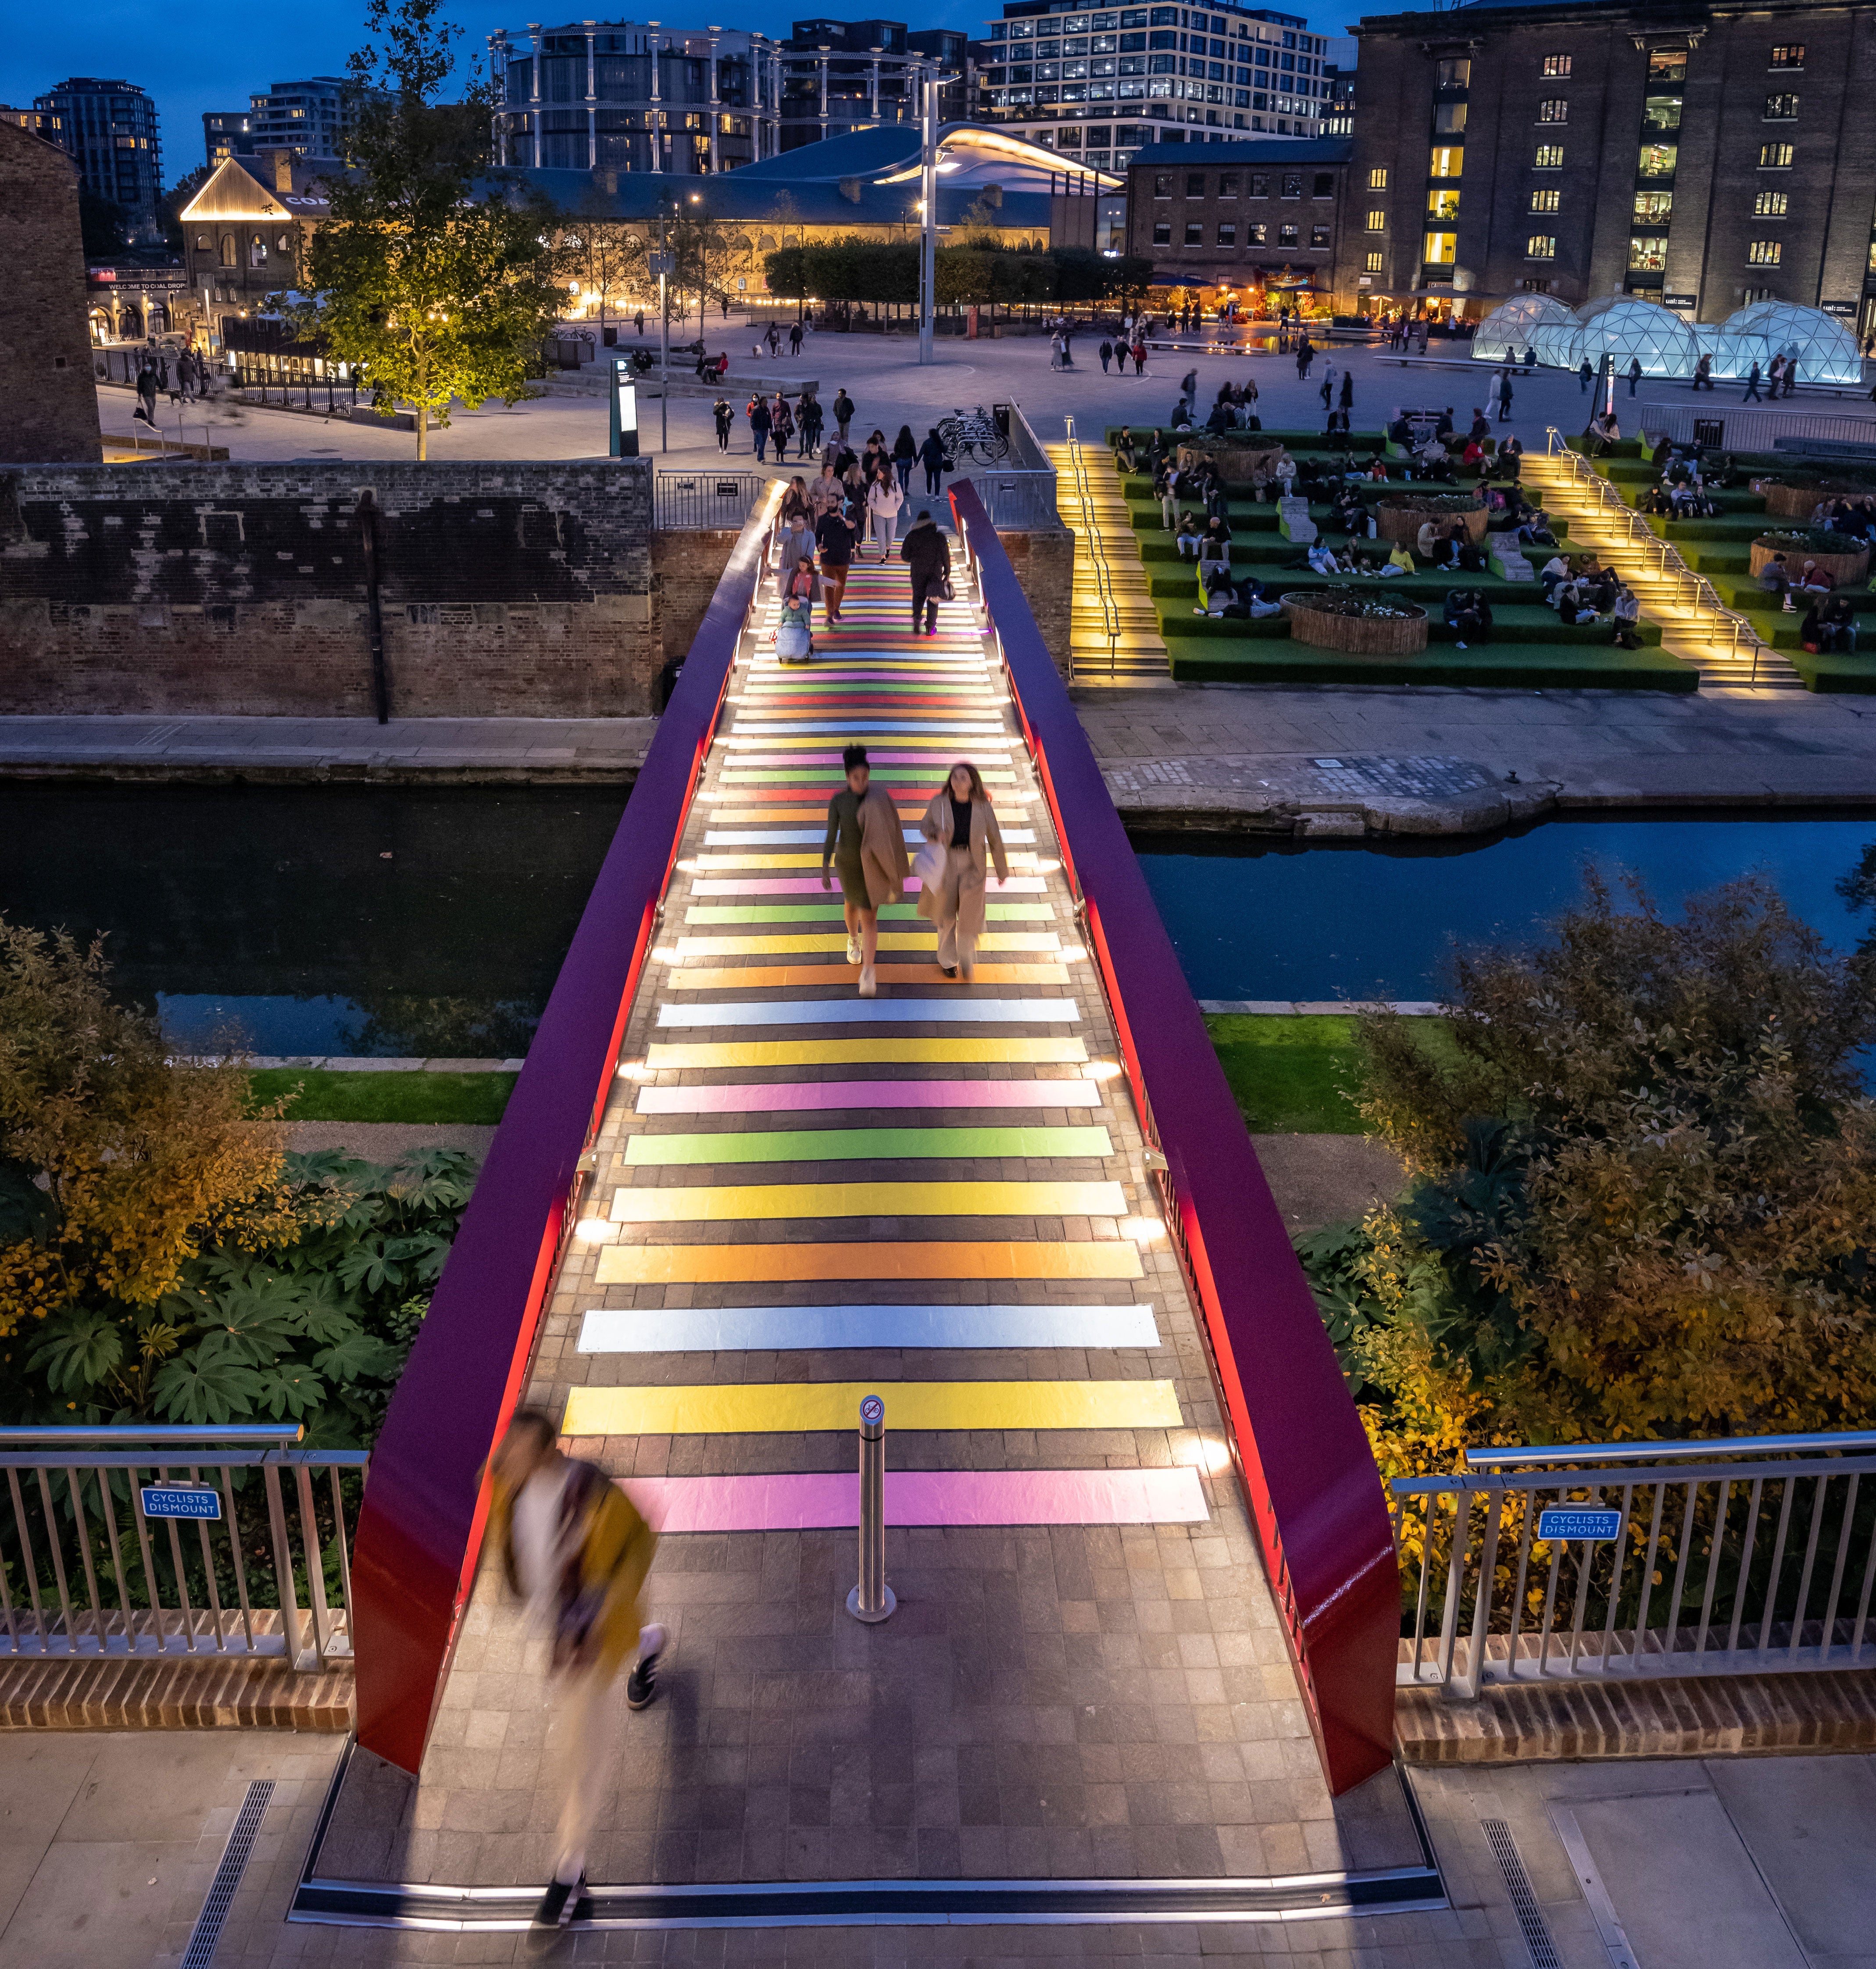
1220 219
1705 157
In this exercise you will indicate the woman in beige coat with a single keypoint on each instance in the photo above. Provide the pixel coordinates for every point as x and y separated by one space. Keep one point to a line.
960 822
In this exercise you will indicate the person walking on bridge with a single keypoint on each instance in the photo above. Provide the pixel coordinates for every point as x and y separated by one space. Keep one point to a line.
960 825
865 845
573 1545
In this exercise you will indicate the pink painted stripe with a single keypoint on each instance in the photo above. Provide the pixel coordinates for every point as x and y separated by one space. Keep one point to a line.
798 1096
830 1502
806 885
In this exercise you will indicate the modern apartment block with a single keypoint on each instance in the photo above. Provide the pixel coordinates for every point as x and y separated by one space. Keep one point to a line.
110 129
1098 84
839 77
1705 157
307 117
226 134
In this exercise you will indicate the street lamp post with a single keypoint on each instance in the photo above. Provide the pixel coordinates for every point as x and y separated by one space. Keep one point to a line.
661 261
928 227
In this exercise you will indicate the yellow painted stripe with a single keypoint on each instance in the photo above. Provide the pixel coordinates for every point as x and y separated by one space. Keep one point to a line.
889 939
700 1055
788 1408
876 1263
748 1202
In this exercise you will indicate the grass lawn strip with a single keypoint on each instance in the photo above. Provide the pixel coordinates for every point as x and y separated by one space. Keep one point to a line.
324 1096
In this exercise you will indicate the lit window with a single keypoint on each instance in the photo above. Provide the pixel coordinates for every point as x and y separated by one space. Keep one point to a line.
1540 246
1765 252
1554 109
1652 208
1286 236
1440 249
1771 205
1442 205
1549 157
1373 261
1776 157
1781 109
1446 162
1647 254
1557 64
1319 238
1253 235
1545 201
1377 220
1790 56
1378 178
1668 65
1657 160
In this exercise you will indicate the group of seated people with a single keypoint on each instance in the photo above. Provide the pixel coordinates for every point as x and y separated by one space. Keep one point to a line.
1469 612
1683 500
1601 432
1235 409
1582 595
1221 594
1778 577
1322 559
1830 625
1842 514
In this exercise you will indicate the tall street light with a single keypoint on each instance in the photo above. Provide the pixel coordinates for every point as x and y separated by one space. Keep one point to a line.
928 222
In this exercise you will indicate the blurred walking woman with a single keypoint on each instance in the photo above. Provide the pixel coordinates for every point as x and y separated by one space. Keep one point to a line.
960 825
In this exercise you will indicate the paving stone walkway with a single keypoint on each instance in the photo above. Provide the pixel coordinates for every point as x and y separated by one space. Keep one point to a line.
938 1194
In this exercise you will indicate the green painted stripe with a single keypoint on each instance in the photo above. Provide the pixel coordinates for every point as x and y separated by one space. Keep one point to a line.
832 1145
761 912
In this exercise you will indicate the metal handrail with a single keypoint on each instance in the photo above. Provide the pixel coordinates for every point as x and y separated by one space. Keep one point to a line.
1670 561
1097 552
1526 1458
167 1435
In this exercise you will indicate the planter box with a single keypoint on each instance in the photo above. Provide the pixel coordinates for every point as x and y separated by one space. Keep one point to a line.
1251 463
1844 569
1798 502
1357 635
1401 521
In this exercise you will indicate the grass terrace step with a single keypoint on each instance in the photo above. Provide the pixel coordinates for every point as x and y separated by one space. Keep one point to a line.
1842 673
1497 665
1512 622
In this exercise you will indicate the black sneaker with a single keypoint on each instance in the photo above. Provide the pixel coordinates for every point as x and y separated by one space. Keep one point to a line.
641 1685
582 1908
557 1909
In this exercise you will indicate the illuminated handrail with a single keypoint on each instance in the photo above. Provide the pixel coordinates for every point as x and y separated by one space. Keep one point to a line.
1091 534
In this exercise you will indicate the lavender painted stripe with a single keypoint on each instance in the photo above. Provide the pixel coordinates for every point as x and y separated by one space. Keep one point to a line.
803 885
740 1329
812 837
875 1012
795 1097
831 1502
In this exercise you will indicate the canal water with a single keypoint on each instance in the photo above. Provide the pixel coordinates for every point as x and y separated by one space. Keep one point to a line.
1380 920
402 921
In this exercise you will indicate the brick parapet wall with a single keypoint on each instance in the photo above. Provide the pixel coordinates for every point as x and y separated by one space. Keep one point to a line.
507 589
1044 562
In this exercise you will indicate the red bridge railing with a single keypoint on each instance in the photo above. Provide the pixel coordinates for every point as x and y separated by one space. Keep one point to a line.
1316 1496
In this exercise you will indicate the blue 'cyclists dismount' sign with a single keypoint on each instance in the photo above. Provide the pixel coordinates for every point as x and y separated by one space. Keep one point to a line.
1555 1523
181 1500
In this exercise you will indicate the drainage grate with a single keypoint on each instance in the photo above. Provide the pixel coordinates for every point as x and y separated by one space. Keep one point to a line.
208 1931
1543 1953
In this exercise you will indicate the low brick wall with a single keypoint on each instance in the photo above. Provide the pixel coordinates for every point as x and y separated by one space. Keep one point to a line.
686 567
1702 1716
121 1694
521 589
1045 565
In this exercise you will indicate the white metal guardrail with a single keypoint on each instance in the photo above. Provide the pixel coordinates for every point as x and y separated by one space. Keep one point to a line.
175 1541
1614 1561
1706 419
1690 590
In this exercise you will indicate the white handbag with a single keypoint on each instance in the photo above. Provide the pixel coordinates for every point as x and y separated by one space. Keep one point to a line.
928 865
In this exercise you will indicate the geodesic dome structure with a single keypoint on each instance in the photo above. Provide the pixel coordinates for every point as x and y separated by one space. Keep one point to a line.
1630 329
1510 327
1825 349
1557 344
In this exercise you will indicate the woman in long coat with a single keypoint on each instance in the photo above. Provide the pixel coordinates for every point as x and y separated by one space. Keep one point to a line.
961 822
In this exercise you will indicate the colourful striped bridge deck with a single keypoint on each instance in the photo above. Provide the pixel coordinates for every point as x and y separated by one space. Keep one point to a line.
940 1187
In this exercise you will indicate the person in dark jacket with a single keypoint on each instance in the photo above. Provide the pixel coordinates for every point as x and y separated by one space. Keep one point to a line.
759 422
724 416
927 553
931 455
904 456
843 412
836 536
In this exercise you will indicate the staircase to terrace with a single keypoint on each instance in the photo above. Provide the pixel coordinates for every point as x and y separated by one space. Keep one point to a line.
1696 625
1114 631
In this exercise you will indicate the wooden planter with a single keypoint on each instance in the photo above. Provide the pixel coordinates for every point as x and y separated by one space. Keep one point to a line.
1359 635
1252 464
1399 519
1800 502
1842 569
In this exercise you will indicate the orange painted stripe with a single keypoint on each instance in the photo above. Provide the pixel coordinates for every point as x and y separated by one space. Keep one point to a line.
761 977
761 1264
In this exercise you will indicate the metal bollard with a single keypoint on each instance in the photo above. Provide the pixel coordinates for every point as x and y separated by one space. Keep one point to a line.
872 1599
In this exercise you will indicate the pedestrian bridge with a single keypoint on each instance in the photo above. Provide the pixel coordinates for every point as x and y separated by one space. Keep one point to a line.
1143 1660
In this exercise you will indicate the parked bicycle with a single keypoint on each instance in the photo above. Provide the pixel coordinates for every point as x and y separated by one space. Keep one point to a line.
973 435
